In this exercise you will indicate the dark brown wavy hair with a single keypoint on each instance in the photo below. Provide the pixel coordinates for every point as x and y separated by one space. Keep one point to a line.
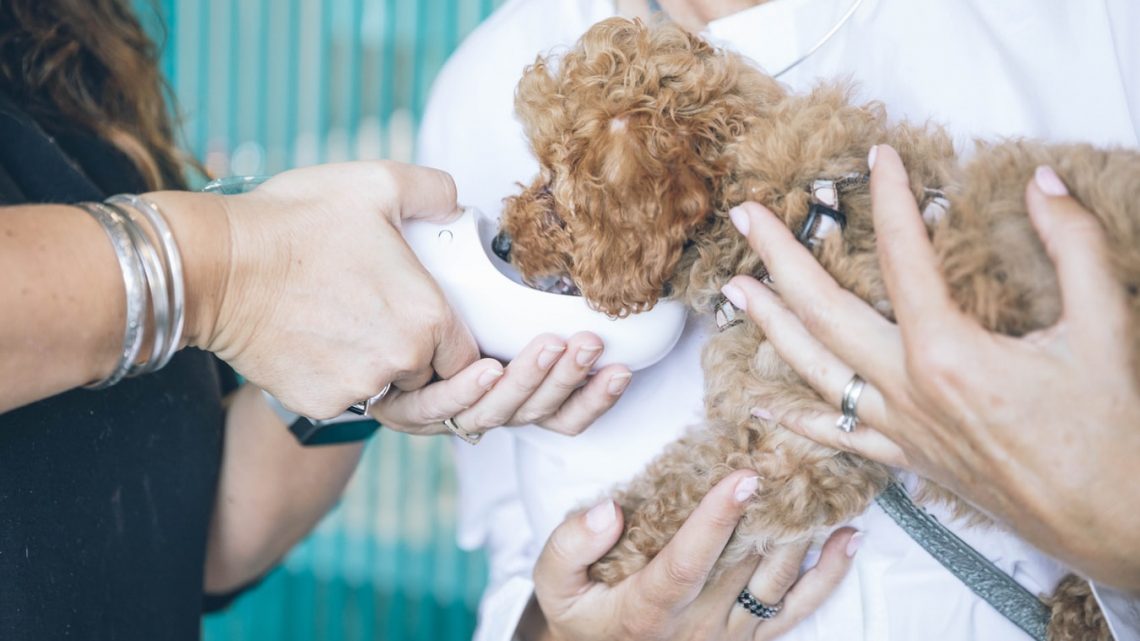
88 66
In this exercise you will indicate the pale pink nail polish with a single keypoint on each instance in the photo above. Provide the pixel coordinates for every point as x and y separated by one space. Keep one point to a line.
549 354
762 414
587 354
871 156
735 296
1049 182
746 488
618 383
854 543
601 517
739 219
488 378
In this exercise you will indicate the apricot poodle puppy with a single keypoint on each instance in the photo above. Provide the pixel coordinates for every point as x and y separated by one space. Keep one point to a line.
647 136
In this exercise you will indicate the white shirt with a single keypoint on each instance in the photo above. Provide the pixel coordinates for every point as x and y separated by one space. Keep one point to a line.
1051 69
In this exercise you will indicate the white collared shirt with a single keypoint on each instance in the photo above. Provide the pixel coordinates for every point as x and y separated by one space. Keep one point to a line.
1058 70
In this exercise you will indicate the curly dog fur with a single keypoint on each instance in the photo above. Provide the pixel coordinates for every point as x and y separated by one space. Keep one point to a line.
647 136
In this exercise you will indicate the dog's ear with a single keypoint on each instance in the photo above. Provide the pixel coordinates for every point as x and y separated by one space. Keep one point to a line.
640 192
541 108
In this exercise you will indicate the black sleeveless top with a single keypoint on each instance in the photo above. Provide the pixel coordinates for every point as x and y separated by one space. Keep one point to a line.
105 496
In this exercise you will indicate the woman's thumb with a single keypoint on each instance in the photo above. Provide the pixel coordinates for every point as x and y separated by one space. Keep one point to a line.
560 574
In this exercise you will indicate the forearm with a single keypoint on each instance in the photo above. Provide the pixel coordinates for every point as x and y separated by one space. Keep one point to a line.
64 304
271 493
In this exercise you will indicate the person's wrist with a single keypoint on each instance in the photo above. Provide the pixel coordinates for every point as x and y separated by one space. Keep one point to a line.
201 227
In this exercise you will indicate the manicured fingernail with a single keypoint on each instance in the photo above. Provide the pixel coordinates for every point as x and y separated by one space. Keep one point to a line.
488 378
549 354
854 543
739 219
618 383
746 488
735 296
1049 182
871 155
762 414
601 517
587 354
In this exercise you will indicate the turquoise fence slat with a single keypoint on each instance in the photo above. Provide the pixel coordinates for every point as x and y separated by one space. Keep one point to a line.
265 85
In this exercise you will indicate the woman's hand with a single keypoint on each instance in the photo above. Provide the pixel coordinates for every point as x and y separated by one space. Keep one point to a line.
671 597
1041 431
321 302
548 384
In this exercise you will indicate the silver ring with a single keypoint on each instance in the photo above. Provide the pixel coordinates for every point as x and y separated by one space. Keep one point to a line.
756 608
364 408
454 428
851 393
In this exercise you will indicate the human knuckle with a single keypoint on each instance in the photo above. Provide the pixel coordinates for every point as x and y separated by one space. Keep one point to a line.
432 311
404 361
426 409
933 360
570 427
684 572
488 419
530 415
639 626
817 316
782 577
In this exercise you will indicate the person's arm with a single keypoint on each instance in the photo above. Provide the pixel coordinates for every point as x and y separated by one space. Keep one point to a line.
304 286
271 492
62 291
1041 431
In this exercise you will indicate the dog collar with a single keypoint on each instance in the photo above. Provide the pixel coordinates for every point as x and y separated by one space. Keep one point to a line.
823 216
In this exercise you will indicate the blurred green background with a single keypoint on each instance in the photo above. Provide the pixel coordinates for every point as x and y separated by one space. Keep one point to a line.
266 85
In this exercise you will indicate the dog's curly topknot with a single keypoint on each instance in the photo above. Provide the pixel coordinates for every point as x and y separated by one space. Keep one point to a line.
631 130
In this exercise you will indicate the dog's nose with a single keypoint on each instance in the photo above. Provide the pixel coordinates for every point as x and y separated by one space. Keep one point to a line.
501 245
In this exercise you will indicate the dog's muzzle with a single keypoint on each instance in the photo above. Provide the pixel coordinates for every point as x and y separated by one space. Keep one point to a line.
501 245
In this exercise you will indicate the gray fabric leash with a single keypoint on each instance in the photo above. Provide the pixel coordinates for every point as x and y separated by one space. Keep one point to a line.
980 575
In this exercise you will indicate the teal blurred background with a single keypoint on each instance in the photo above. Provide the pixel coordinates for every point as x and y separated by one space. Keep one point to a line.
266 85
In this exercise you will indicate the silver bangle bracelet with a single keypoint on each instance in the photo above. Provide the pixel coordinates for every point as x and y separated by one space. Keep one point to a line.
115 224
175 280
156 281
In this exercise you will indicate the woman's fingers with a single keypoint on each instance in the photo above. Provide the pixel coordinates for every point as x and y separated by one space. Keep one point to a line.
421 192
828 376
817 365
676 576
456 348
864 440
918 293
566 376
430 405
777 573
850 328
522 377
1076 243
813 588
560 576
590 401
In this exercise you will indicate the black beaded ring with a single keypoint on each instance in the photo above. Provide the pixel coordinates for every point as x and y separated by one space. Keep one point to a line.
756 608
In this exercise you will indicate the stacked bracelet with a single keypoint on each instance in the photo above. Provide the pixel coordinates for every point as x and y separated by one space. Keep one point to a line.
174 286
152 278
